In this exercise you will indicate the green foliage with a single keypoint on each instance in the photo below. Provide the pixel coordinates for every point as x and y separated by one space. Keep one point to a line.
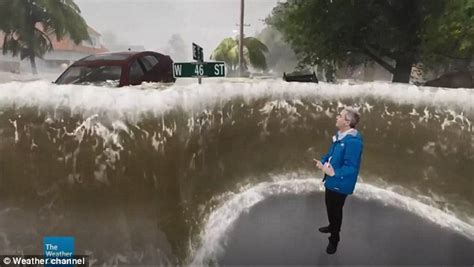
395 34
450 36
227 51
27 25
254 53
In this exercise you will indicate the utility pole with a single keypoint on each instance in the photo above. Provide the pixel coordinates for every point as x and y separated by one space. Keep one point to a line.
241 39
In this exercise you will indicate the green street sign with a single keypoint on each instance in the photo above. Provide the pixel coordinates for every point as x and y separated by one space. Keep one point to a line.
194 69
198 52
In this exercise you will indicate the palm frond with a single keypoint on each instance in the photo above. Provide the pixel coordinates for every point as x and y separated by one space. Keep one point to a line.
226 51
255 51
20 21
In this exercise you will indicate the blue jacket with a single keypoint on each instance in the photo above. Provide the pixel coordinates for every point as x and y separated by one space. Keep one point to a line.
344 155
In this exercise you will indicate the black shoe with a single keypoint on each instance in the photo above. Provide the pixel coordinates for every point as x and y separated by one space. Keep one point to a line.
324 229
332 248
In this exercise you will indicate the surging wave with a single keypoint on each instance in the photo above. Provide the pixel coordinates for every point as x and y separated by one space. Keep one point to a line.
127 155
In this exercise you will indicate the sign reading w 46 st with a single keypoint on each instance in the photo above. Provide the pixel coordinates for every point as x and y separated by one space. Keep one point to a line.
192 69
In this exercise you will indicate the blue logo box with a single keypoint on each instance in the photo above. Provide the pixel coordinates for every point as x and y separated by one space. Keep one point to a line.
58 247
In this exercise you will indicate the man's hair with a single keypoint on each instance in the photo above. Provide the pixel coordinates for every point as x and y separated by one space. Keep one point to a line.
352 116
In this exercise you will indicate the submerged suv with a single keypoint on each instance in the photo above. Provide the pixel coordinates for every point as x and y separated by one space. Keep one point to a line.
119 69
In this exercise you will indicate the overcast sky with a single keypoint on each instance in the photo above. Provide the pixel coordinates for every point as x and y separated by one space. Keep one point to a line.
152 22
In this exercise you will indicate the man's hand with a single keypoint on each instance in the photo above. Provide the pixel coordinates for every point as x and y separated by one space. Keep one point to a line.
318 164
328 169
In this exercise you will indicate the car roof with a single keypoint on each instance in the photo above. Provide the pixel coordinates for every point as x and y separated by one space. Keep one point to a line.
111 58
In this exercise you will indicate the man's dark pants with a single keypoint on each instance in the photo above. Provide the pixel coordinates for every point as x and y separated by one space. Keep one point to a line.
334 203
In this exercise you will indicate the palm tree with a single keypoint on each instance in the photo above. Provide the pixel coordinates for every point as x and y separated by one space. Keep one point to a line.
27 25
254 49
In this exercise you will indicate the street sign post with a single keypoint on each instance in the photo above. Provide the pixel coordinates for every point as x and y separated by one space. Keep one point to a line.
198 53
195 69
198 69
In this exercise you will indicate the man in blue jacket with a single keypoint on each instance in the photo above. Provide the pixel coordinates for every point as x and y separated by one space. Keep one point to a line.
341 168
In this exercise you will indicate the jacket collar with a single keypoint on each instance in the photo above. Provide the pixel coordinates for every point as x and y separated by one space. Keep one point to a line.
339 136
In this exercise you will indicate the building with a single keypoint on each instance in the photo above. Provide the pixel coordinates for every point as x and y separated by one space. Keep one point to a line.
64 52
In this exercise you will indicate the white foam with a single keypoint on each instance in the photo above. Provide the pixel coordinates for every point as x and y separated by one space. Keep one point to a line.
6 77
220 221
135 100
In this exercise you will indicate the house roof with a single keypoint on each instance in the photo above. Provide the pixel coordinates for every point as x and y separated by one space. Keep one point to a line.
92 30
67 44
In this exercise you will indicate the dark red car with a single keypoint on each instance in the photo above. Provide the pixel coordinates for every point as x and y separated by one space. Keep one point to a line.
119 69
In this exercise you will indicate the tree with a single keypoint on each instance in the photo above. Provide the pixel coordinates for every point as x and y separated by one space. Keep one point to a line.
281 57
388 32
254 49
27 25
177 48
450 38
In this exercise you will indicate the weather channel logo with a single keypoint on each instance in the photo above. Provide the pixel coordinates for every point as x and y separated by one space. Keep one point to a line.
61 248
58 251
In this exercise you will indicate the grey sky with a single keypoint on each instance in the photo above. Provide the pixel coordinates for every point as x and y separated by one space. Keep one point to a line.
152 22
